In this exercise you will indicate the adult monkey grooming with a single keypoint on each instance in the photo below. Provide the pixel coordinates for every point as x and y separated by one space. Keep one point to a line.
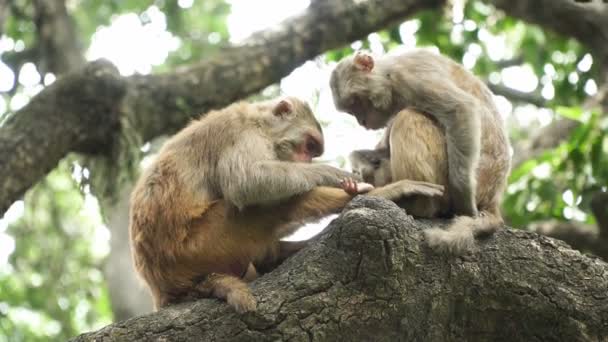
418 151
374 91
222 193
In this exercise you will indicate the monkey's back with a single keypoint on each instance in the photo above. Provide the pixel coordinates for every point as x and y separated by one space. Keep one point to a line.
419 152
178 219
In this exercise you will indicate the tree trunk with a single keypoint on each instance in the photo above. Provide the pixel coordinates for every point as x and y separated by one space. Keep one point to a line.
371 277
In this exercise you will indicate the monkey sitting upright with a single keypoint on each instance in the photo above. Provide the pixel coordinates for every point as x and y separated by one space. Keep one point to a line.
222 192
417 147
375 90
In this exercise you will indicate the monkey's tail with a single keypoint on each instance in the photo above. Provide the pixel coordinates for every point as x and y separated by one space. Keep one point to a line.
460 235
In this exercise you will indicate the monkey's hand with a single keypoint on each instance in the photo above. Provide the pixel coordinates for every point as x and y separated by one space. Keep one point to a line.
406 188
354 188
332 176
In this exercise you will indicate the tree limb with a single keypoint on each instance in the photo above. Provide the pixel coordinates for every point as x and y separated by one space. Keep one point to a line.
517 96
57 42
157 104
372 277
586 22
4 9
555 133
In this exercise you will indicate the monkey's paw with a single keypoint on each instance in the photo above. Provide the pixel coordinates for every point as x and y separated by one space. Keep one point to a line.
241 301
454 240
354 188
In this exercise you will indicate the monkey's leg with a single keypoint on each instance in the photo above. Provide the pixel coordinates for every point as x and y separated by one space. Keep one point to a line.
280 251
230 288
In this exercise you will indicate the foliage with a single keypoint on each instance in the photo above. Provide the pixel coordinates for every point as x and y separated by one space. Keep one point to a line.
53 287
576 169
560 183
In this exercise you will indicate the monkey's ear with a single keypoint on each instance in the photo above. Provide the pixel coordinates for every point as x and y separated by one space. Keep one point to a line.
364 61
282 108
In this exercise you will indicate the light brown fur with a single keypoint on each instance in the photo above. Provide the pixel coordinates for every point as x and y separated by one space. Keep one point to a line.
209 213
418 152
374 90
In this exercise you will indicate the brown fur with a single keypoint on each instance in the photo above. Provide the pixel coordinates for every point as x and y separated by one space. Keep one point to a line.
374 90
418 152
209 213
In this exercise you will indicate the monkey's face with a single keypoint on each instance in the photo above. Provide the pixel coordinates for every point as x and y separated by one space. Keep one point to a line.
372 165
296 133
365 112
361 91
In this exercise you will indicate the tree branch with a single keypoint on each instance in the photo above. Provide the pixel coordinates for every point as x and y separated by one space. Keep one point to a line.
4 8
580 236
558 131
516 95
158 104
371 277
58 43
586 22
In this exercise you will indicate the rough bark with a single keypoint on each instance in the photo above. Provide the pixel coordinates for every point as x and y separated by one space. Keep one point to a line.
371 277
158 104
579 235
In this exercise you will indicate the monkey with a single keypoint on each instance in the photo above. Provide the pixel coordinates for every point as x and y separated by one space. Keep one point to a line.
211 209
418 151
374 90
373 166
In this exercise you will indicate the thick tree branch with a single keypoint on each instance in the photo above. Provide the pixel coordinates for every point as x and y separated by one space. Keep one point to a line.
587 22
57 42
580 236
517 96
158 104
372 278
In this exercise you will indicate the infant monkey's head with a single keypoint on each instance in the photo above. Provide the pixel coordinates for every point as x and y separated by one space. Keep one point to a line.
372 165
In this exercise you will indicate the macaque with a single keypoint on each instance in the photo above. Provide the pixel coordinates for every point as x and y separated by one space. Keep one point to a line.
210 212
374 90
373 166
417 145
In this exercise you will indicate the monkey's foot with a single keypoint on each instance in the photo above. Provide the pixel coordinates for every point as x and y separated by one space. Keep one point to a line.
354 188
456 240
241 300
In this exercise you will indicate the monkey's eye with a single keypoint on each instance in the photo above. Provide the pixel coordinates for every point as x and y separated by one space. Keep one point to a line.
356 173
376 163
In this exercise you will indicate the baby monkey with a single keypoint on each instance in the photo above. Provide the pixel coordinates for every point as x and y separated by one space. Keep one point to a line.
374 90
417 146
210 211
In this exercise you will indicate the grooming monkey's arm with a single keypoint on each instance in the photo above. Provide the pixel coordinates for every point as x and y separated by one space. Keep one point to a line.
250 177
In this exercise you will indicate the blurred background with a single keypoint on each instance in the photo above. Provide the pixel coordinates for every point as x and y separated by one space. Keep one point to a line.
64 262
